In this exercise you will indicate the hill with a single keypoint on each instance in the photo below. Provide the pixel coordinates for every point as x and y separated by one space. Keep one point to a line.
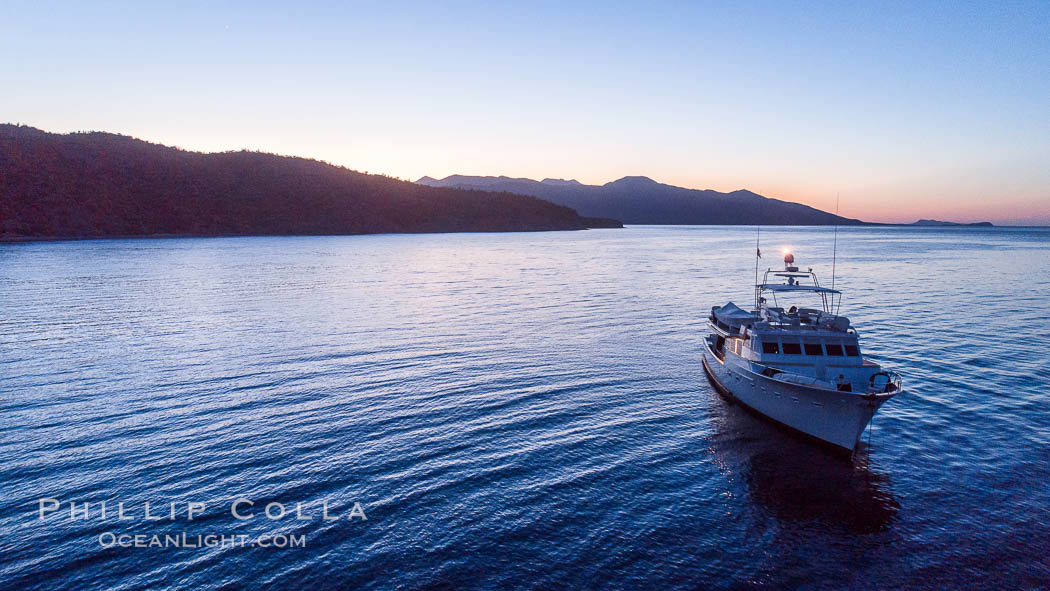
102 184
939 223
641 200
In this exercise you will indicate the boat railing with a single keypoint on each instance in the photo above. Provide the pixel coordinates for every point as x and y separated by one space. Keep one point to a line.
802 326
721 355
886 381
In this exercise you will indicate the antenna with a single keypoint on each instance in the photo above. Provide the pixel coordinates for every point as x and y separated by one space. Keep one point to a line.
835 248
758 255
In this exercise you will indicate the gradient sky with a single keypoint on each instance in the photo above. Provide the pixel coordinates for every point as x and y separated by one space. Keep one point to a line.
907 109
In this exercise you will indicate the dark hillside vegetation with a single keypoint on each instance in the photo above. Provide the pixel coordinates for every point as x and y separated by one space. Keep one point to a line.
100 184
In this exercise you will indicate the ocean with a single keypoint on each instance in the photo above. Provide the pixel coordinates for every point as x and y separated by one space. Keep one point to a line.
487 411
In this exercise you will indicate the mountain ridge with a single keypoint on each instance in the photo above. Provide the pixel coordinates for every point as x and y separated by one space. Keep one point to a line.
642 200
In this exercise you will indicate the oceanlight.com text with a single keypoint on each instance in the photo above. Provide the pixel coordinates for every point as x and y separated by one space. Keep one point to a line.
184 540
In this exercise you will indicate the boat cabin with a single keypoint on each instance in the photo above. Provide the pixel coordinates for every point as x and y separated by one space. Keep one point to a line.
813 342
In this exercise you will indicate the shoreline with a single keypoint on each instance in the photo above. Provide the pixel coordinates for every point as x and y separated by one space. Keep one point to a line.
25 239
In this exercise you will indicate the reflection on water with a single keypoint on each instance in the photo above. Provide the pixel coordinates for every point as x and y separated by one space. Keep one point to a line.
798 482
809 486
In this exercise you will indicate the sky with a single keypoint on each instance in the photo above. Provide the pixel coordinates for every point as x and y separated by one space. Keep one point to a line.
904 109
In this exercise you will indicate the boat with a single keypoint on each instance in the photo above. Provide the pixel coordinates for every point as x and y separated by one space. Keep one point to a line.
801 367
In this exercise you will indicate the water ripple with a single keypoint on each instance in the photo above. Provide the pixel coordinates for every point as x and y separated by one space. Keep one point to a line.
514 410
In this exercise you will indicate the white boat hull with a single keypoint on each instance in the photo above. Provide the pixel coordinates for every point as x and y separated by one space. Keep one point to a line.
836 418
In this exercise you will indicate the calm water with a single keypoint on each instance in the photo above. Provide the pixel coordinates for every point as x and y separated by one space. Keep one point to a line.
513 410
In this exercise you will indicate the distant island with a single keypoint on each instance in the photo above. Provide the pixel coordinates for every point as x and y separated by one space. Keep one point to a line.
940 223
100 184
641 200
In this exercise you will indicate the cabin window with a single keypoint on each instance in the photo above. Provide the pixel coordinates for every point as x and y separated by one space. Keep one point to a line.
814 349
792 349
770 347
852 351
835 349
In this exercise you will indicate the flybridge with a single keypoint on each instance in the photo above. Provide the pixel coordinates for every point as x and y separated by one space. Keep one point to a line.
796 287
794 280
